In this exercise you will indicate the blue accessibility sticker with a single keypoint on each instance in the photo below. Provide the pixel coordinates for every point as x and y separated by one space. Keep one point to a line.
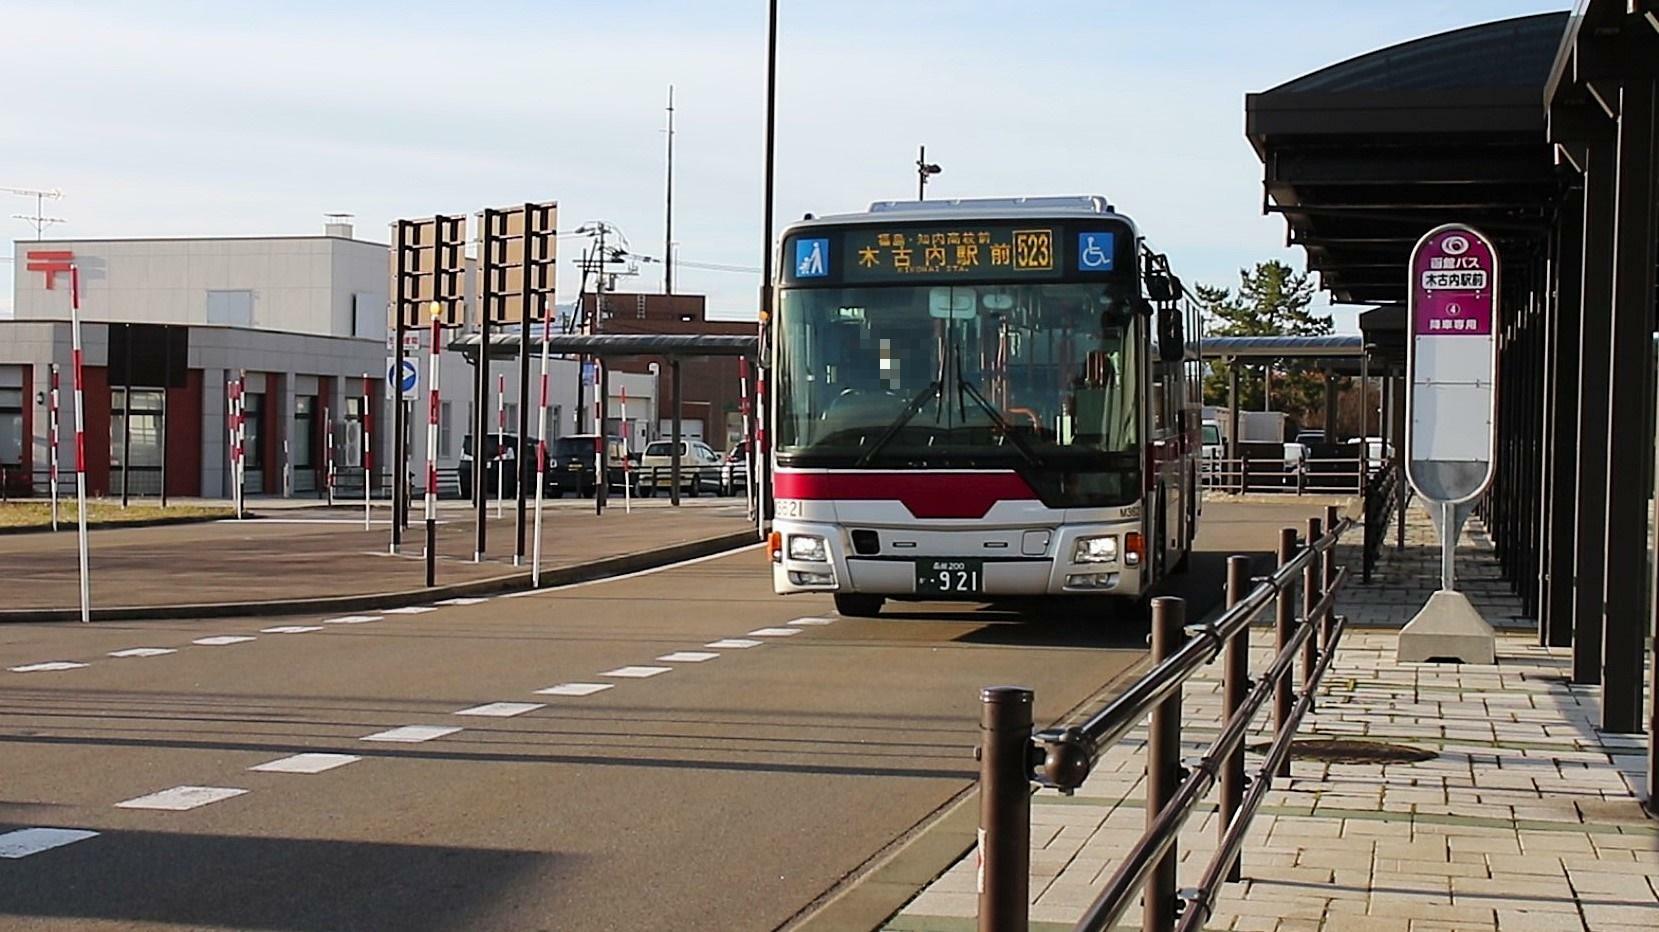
1096 252
811 258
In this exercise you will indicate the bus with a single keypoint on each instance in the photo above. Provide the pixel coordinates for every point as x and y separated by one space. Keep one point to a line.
979 400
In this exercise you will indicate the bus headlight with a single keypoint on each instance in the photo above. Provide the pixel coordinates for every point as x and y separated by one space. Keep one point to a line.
1095 550
808 547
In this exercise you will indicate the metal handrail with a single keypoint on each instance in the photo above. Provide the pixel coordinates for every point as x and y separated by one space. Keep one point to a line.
1062 758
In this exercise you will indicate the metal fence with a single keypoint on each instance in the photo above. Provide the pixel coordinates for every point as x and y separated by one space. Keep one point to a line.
1011 757
1276 474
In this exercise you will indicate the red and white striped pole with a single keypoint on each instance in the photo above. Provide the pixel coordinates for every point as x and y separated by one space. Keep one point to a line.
501 443
52 433
746 413
238 463
328 452
600 486
627 459
432 447
541 441
80 440
368 447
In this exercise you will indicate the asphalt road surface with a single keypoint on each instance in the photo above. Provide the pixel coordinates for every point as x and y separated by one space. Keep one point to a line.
723 792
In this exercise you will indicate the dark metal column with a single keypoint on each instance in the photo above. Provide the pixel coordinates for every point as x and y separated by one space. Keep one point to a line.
1591 474
480 426
1398 431
1004 808
1330 406
1235 683
1232 412
674 432
1557 614
1629 413
1163 765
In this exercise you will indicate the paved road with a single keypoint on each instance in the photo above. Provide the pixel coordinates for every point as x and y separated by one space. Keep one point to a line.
298 553
725 793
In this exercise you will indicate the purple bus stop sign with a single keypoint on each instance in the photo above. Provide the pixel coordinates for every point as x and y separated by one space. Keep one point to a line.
1452 364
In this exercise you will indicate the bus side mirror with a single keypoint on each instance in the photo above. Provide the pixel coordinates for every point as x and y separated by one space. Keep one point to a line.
1172 338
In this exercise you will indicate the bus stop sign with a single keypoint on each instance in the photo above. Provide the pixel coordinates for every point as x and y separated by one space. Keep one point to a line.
1451 364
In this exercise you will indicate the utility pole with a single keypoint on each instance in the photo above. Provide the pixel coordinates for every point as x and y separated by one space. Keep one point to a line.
39 221
668 211
923 170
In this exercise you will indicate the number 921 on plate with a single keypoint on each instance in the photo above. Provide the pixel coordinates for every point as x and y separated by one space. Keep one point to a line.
950 576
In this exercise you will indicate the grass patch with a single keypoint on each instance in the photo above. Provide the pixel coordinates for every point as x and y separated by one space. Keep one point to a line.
36 514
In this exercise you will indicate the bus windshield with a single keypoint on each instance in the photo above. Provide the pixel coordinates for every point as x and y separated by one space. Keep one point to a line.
1040 377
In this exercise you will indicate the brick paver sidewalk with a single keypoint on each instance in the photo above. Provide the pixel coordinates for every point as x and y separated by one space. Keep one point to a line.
1526 818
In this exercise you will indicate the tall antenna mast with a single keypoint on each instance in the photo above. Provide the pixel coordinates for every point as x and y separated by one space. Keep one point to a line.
39 221
668 214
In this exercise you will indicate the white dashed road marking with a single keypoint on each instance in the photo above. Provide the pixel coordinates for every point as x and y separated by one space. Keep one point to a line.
290 629
351 620
47 667
180 798
412 734
574 689
410 610
306 763
774 632
813 621
27 841
463 600
688 656
636 673
735 642
611 579
142 652
502 709
221 640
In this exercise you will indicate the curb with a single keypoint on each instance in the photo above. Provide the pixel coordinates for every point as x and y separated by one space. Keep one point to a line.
118 525
495 585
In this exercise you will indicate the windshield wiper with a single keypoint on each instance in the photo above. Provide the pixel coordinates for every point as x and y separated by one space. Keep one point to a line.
910 410
965 387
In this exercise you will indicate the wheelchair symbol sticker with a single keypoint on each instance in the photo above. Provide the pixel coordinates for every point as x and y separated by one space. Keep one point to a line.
811 258
1096 251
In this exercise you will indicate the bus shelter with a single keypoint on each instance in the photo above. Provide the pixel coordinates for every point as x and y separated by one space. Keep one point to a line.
1539 131
603 346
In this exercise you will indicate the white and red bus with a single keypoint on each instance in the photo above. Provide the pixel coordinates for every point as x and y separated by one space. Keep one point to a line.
978 400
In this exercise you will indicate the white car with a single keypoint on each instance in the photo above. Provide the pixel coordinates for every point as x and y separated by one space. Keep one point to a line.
699 466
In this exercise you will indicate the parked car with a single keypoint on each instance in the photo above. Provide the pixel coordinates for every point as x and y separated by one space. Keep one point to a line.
492 464
734 471
700 467
570 464
1377 451
1214 447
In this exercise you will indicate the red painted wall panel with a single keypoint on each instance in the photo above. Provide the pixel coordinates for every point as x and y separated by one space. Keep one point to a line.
184 436
95 405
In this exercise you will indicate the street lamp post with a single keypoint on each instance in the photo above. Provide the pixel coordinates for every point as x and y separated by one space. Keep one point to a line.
923 170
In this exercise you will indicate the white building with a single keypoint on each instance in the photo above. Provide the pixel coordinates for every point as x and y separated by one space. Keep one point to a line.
301 318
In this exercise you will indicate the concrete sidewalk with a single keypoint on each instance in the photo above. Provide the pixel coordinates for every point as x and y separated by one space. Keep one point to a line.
1525 818
319 552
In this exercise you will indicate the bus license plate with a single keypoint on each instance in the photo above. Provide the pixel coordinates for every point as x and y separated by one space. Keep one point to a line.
950 577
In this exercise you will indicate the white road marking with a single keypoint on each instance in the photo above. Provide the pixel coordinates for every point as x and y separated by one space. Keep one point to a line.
774 632
142 652
306 763
636 673
503 709
409 610
290 629
222 640
411 734
610 579
735 642
688 656
27 841
574 689
180 798
813 621
463 600
351 620
47 667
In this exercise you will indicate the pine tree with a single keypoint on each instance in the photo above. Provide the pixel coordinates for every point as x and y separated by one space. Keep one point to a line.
1272 300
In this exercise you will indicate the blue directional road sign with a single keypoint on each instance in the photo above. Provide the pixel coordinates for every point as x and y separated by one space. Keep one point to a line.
411 378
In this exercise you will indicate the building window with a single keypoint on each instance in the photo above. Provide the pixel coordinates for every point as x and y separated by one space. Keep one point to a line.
231 308
135 446
305 413
253 430
11 426
444 439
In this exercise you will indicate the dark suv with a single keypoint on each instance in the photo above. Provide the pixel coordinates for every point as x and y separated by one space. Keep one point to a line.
492 464
570 464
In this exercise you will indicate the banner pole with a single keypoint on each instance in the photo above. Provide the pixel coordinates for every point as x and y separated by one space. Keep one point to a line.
541 440
52 461
80 441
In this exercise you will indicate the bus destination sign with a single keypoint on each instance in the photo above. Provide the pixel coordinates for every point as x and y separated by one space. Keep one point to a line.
871 254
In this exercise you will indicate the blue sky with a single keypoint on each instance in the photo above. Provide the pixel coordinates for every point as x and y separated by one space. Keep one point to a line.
172 118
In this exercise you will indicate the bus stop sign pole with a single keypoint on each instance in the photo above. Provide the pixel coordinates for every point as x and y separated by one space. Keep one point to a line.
1451 422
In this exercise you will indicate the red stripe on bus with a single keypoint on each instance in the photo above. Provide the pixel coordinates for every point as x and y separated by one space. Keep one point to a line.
924 495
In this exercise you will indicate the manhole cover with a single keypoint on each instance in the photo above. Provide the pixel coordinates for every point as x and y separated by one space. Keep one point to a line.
1353 751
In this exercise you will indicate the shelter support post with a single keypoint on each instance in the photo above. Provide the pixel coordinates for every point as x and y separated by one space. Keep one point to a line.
1556 615
1591 476
674 432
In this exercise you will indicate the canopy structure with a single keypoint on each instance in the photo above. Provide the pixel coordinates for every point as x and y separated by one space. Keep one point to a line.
507 345
1292 347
